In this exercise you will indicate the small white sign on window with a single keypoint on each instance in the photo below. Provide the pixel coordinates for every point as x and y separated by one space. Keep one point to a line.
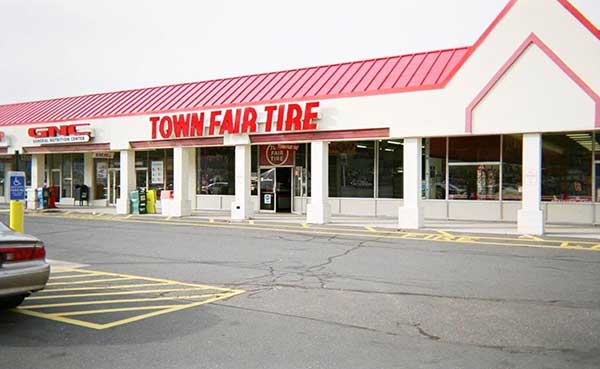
157 172
268 197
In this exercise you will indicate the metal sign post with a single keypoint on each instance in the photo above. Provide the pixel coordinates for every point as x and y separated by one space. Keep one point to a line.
16 188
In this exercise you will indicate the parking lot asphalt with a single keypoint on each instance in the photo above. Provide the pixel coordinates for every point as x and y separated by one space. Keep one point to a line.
302 298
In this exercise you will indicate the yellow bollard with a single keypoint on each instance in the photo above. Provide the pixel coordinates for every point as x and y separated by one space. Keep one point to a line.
16 216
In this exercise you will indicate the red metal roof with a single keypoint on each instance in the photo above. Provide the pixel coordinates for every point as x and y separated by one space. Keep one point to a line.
401 73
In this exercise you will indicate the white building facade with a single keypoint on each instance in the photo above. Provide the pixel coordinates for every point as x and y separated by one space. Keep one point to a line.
505 130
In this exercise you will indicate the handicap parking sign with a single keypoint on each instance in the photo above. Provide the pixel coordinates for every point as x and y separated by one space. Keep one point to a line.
16 185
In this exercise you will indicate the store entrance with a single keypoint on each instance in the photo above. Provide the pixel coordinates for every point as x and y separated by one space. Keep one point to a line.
114 186
276 189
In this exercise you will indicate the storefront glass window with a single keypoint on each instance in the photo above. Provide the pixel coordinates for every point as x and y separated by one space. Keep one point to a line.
474 168
351 167
254 171
567 167
301 171
2 170
101 184
216 170
78 171
67 176
390 171
597 163
434 172
512 158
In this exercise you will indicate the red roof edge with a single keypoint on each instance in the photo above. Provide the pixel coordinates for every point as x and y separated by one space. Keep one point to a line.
581 18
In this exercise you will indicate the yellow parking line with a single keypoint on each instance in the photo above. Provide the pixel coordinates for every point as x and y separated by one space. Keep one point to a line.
89 281
118 301
103 287
251 222
597 247
82 275
134 292
116 310
128 276
564 244
370 229
304 225
211 220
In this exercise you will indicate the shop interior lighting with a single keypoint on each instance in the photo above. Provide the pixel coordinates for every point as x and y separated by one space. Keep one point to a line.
395 143
361 146
584 139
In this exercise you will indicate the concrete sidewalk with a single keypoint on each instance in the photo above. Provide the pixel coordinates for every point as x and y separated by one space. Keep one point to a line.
452 226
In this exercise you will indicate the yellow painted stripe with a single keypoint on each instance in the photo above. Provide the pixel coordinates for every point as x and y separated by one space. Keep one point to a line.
128 276
119 301
597 247
251 222
134 292
304 225
82 275
564 244
211 220
115 310
103 287
90 281
370 229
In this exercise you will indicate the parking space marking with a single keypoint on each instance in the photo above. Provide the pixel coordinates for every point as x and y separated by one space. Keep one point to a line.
55 304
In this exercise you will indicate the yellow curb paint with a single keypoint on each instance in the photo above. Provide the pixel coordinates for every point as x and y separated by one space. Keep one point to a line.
211 220
447 235
353 232
597 247
370 229
564 244
251 222
128 216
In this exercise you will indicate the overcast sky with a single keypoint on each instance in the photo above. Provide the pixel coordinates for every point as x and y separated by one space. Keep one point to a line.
58 48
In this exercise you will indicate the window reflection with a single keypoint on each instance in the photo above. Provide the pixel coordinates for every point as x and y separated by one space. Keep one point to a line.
351 166
567 166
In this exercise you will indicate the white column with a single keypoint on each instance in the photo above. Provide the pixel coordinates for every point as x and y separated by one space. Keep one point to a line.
38 169
88 173
241 208
127 180
319 211
410 214
191 172
7 168
530 218
182 168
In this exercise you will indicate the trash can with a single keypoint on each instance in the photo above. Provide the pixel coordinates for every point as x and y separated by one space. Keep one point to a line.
53 197
82 193
151 201
143 203
134 202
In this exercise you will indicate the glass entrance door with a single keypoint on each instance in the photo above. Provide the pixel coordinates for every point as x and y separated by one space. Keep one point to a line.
276 189
283 190
267 189
114 186
55 180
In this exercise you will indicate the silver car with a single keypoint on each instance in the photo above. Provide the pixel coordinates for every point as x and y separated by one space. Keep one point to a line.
23 267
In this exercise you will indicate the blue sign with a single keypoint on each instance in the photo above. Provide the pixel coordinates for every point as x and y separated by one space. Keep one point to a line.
16 185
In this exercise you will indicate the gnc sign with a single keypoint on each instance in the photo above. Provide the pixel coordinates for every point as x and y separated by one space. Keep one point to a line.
66 133
278 118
